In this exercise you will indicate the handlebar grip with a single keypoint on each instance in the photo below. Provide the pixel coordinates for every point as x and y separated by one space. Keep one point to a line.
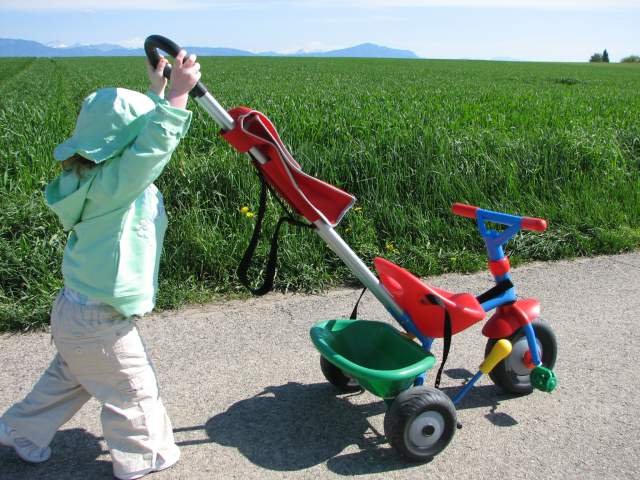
535 224
464 210
155 42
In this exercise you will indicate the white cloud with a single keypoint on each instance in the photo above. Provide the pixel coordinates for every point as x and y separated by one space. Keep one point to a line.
366 19
136 42
100 5
93 6
485 3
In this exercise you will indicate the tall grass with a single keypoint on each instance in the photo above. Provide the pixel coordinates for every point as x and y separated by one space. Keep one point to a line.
408 138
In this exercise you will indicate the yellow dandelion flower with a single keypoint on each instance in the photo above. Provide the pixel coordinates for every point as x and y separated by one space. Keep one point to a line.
244 209
250 214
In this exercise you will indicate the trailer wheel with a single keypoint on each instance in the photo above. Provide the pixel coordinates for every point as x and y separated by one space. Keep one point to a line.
337 377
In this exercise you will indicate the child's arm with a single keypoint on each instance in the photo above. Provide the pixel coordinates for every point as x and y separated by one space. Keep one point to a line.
184 76
123 178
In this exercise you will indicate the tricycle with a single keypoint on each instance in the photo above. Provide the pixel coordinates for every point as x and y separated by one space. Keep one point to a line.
420 422
519 354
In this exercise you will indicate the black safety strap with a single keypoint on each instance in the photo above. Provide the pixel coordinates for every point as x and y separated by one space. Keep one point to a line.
501 287
447 335
272 261
354 313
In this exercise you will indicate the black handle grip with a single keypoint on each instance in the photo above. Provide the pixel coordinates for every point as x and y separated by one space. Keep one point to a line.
155 42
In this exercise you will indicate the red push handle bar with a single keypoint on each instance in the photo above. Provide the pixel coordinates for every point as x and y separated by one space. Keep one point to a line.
526 223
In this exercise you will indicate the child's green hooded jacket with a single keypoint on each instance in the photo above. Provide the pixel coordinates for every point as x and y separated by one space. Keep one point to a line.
115 214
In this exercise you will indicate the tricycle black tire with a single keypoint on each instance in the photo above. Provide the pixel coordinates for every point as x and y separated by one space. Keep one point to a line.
514 378
337 378
420 423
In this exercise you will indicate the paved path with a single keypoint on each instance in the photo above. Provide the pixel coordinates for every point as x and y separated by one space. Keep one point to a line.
243 387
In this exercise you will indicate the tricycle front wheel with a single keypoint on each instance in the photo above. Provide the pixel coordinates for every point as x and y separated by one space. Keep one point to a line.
420 423
513 373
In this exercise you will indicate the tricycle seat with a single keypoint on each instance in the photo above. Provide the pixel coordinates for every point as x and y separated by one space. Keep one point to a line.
412 295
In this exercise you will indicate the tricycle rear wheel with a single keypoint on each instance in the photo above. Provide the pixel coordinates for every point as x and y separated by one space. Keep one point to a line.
337 377
420 423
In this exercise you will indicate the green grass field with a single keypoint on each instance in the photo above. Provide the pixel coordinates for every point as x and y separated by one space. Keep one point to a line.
407 137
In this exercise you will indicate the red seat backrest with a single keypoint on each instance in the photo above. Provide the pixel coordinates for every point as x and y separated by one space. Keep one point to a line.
410 294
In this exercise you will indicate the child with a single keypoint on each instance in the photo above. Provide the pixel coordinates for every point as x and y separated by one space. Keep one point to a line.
106 198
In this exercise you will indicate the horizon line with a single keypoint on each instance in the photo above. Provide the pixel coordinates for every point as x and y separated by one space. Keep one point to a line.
272 53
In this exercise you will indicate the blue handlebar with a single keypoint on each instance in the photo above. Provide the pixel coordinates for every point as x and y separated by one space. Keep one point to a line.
494 239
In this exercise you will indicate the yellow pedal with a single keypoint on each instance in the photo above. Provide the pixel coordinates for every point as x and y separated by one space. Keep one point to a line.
500 351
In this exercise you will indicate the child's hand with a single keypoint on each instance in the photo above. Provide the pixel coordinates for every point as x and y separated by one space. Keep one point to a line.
158 82
184 76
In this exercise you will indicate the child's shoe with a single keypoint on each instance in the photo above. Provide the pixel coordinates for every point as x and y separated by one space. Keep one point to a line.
25 448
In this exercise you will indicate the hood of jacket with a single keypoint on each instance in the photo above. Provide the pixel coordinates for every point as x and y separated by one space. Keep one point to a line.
109 120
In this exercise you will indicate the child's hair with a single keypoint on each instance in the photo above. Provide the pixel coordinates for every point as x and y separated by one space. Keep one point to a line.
78 164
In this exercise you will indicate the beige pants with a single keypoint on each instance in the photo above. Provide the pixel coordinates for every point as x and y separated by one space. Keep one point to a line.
100 354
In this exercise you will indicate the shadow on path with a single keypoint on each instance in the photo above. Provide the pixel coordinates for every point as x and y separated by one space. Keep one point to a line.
482 396
74 457
294 427
283 428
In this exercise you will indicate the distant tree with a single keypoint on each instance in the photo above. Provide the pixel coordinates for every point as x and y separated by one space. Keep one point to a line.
605 56
596 58
631 59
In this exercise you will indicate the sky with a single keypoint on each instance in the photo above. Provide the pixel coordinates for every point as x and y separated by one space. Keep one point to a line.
538 30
